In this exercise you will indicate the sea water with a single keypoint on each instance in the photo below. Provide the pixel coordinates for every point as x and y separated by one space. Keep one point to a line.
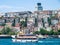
47 41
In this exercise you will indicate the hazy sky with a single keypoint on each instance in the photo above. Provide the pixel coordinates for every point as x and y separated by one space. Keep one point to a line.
27 5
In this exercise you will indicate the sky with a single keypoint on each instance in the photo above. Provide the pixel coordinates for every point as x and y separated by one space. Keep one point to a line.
27 5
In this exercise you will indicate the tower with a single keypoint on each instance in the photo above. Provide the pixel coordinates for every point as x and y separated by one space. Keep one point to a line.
39 7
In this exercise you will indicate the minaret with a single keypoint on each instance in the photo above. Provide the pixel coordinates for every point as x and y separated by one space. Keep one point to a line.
39 7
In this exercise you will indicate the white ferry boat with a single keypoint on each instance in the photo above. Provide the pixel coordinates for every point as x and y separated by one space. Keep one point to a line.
26 38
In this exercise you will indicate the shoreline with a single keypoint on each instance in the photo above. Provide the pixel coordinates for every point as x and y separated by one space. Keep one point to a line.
39 36
5 36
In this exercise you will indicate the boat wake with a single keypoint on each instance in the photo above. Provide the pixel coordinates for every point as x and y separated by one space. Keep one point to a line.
40 41
18 40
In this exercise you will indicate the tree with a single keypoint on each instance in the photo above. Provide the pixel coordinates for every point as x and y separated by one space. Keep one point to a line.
8 31
59 31
36 32
5 21
0 33
3 31
12 33
56 33
36 23
23 24
26 22
43 22
51 32
43 32
13 24
3 24
18 20
49 21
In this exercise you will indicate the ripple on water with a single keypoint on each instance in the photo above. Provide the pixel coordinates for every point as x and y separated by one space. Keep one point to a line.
40 42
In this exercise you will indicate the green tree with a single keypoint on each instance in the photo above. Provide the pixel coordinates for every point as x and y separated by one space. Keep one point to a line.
49 21
43 32
43 22
26 22
36 23
8 31
5 21
3 31
0 33
12 33
23 23
13 24
51 32
3 24
55 33
59 32
36 32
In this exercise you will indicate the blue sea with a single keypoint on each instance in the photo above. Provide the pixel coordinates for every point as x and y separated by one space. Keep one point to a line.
48 41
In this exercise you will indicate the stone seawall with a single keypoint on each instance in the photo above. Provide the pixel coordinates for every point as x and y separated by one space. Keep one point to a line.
5 36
